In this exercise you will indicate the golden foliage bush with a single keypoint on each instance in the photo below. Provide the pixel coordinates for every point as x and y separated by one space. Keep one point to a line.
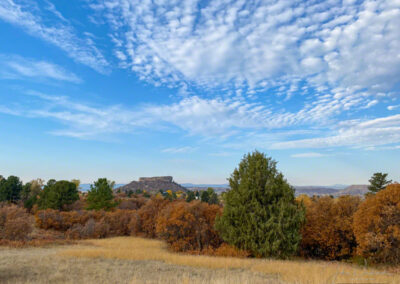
15 223
377 226
328 231
145 223
189 226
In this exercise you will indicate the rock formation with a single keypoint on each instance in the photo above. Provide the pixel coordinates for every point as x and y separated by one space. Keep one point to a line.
152 185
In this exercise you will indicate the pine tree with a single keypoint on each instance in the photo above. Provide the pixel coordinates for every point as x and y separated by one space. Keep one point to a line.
190 196
378 182
57 194
101 195
10 189
260 213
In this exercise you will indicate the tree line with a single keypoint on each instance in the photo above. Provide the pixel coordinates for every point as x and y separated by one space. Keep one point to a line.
259 216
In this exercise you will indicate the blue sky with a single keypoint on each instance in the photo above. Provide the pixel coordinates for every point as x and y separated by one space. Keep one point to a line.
123 88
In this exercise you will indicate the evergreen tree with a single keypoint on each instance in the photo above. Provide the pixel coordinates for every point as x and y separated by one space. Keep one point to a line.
260 213
190 196
378 182
10 189
101 195
204 196
57 194
212 196
30 192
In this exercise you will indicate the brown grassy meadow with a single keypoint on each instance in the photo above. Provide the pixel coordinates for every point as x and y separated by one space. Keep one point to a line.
137 260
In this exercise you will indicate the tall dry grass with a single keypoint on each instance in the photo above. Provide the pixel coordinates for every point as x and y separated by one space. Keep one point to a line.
298 272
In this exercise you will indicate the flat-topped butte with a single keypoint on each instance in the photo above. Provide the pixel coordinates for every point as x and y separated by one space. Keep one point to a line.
153 185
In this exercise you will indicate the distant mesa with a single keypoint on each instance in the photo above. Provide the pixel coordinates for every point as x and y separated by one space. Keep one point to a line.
152 185
155 179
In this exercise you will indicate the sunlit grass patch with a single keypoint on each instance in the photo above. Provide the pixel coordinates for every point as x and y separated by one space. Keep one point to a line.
307 272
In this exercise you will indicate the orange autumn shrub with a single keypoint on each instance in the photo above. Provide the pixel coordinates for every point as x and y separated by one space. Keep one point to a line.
15 223
377 226
189 226
144 224
328 231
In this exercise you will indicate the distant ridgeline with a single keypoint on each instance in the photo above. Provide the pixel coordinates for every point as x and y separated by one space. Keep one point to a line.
152 185
356 190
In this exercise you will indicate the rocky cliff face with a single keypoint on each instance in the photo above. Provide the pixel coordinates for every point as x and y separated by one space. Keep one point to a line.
153 185
156 179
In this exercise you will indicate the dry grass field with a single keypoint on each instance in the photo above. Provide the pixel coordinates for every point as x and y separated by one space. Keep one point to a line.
136 260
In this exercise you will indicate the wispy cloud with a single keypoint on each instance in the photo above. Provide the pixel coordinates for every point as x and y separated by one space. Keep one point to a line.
245 124
366 133
179 150
308 155
393 107
28 16
17 67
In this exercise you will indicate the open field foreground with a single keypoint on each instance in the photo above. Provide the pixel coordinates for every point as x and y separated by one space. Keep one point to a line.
137 260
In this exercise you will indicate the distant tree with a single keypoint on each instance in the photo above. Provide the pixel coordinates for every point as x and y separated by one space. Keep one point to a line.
190 196
204 196
51 182
260 213
212 196
209 196
100 195
57 194
77 182
378 182
30 192
10 189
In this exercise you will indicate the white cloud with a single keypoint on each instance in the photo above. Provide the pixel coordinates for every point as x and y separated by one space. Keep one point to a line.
179 150
246 125
393 107
259 45
368 133
27 16
15 67
308 155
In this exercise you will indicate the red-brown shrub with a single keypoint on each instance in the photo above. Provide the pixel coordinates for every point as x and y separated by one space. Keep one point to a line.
62 221
91 230
189 226
118 222
132 203
15 223
328 231
145 224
